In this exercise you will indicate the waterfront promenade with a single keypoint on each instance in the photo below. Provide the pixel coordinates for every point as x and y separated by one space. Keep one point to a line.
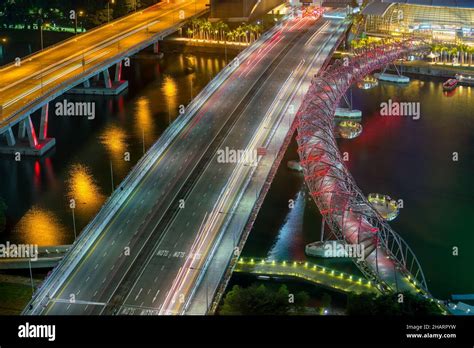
319 275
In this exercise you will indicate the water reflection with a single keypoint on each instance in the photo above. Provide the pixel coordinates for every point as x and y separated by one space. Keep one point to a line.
170 90
83 188
114 139
40 226
144 125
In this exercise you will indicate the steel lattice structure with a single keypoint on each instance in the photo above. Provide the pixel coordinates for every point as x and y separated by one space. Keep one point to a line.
388 260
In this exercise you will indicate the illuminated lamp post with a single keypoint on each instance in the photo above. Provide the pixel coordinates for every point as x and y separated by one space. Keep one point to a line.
45 25
108 9
78 14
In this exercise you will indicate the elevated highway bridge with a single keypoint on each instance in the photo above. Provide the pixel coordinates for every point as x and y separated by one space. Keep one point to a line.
164 241
30 83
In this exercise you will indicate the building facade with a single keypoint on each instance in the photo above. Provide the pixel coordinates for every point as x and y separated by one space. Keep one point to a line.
445 21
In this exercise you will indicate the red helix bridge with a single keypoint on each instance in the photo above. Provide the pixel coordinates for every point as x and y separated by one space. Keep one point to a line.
387 259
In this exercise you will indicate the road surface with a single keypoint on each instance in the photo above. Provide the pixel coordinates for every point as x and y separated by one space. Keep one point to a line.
149 257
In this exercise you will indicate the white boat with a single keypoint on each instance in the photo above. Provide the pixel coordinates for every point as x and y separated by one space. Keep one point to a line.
346 113
392 78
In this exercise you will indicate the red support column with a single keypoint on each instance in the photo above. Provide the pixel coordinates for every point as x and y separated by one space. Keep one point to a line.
118 72
44 122
30 130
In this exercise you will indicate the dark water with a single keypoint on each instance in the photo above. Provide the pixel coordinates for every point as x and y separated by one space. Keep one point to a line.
37 190
407 159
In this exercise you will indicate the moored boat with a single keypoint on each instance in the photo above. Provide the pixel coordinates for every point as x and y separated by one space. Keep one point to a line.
450 85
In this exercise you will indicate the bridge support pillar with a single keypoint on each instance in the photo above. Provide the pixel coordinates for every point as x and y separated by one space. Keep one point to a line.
30 131
10 137
27 142
107 80
21 131
44 122
102 83
118 72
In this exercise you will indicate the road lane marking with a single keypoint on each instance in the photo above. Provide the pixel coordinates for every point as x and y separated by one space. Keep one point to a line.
136 297
154 298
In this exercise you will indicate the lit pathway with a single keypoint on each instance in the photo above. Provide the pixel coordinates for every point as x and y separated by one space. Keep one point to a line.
310 272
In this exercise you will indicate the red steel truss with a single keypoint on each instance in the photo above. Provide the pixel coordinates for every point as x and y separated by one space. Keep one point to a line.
388 260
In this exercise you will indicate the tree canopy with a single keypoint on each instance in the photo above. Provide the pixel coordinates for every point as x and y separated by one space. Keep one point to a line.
390 304
260 300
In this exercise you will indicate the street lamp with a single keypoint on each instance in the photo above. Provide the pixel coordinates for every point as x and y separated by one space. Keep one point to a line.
46 25
3 42
78 14
108 9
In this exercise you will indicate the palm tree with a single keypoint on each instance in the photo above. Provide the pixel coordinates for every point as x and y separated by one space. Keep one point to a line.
470 52
238 31
207 29
200 25
436 49
231 35
244 34
463 50
444 51
189 32
222 28
196 27
212 31
255 30
453 52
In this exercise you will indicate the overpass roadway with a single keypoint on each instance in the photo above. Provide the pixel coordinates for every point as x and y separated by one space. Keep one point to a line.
151 253
41 77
